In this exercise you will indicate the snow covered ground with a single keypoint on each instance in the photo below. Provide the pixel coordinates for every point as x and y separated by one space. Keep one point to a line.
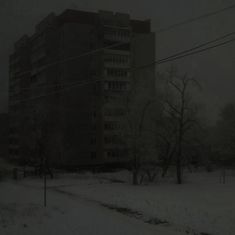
22 213
79 204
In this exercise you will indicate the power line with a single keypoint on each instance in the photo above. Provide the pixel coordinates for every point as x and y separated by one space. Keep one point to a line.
124 43
198 51
193 19
173 58
157 62
202 45
59 90
48 86
71 58
169 57
193 50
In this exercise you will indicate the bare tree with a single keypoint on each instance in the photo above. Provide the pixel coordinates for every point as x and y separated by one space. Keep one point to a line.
178 118
41 146
137 103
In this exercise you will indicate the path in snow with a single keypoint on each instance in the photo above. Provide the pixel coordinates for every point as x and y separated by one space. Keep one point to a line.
22 213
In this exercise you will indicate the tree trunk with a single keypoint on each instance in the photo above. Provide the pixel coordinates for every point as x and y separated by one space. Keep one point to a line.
135 170
179 153
179 170
168 162
167 165
135 177
165 169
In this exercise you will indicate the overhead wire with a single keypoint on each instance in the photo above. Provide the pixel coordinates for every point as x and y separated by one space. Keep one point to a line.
123 43
176 56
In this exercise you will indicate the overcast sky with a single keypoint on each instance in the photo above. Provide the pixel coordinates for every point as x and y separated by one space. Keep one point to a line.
215 69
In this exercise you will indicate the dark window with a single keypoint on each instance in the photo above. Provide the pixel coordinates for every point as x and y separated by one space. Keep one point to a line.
124 46
93 155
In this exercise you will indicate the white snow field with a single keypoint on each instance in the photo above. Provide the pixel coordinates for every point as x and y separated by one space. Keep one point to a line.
96 204
22 213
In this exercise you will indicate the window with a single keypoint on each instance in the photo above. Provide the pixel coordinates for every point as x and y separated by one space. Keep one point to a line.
13 141
112 125
93 155
117 33
93 140
114 112
117 59
13 151
115 153
112 139
112 154
93 126
116 85
122 47
112 72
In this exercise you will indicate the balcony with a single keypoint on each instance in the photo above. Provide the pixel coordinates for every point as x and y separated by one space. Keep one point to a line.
117 60
116 86
117 34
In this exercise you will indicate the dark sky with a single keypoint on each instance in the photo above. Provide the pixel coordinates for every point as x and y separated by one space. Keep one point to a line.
215 69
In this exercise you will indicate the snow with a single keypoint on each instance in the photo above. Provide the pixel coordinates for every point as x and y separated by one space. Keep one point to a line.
202 205
22 213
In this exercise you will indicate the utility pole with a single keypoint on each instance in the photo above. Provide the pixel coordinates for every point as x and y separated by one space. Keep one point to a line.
45 182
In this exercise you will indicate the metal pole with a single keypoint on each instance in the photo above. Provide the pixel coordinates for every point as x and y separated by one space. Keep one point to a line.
45 185
224 175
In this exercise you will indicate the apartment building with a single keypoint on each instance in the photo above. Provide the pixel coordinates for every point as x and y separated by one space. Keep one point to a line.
63 88
4 135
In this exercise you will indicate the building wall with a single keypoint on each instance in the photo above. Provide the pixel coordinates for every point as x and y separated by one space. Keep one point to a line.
80 122
4 130
19 80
